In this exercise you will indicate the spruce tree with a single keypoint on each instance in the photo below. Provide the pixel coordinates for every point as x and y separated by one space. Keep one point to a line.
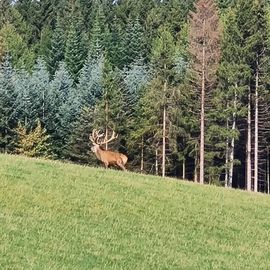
39 91
57 47
62 103
134 42
21 55
100 37
78 146
89 87
205 51
7 101
110 110
75 51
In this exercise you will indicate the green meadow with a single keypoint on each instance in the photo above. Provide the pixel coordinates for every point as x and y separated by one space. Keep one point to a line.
61 216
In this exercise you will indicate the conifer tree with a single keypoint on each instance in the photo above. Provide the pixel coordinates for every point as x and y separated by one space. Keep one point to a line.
116 50
253 25
134 42
99 35
75 51
7 101
57 47
110 111
24 100
39 91
17 48
156 100
62 103
5 12
78 146
204 48
89 87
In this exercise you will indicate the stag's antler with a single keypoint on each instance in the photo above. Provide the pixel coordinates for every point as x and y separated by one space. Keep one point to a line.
113 137
95 137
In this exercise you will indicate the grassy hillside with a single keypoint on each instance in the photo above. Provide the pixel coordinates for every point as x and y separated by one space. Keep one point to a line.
62 216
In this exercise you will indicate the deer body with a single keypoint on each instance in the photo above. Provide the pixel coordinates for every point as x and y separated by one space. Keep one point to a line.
109 158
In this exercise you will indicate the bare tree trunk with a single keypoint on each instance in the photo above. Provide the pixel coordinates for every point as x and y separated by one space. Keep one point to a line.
227 157
107 121
196 168
43 105
267 172
202 113
231 156
256 143
184 169
142 157
156 162
248 168
164 131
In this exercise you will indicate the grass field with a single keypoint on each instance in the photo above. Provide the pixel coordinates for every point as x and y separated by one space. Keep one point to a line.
62 216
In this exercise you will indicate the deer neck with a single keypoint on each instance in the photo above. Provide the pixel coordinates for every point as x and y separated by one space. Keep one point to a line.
99 152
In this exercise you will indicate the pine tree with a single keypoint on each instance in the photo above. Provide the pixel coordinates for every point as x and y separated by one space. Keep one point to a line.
78 147
156 101
233 74
39 91
134 42
5 12
135 79
17 48
89 87
57 47
7 101
110 111
75 51
100 37
204 47
256 52
24 101
62 105
116 49
2 48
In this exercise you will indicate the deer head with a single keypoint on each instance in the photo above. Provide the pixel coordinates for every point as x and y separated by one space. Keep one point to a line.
107 157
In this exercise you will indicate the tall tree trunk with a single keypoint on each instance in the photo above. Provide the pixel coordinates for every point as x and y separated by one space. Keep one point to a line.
196 167
202 113
164 131
164 143
256 143
227 157
184 169
231 156
248 167
156 161
142 156
43 105
268 172
107 121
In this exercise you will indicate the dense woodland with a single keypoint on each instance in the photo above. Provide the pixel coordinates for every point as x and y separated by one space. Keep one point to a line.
184 83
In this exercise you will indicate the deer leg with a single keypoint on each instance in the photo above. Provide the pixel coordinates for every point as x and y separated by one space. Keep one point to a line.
106 165
120 164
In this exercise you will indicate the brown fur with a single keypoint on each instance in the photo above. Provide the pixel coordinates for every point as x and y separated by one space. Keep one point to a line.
110 158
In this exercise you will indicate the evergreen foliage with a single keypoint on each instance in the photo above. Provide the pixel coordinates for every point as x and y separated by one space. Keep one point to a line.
33 143
136 67
7 101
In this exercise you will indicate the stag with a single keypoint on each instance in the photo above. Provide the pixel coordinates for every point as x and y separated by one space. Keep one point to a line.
107 157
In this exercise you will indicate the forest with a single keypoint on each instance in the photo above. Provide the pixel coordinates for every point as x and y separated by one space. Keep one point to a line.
183 83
